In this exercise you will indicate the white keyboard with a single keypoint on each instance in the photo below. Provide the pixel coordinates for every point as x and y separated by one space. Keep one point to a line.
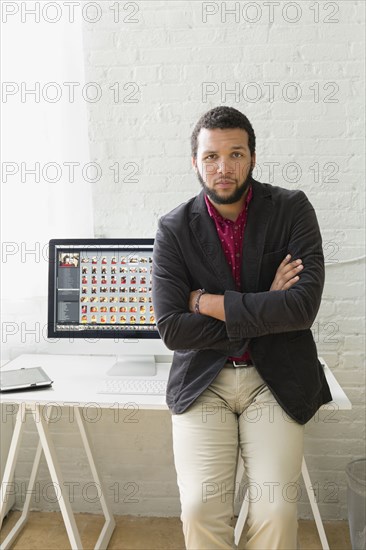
136 386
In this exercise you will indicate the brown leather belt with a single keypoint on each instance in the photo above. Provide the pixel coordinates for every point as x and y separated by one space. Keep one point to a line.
237 364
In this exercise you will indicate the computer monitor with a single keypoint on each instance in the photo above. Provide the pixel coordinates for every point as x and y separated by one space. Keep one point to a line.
100 291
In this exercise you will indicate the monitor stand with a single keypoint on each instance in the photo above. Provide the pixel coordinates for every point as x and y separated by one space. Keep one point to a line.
133 365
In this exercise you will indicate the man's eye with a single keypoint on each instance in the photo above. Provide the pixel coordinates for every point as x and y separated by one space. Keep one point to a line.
209 157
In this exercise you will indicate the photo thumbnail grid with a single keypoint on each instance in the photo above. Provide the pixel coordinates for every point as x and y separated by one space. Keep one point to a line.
114 288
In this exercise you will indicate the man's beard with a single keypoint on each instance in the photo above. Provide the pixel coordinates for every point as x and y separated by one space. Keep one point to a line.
235 196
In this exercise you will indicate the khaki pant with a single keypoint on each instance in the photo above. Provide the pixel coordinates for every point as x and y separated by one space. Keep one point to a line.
238 408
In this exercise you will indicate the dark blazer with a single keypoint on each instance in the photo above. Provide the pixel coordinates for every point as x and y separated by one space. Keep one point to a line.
188 255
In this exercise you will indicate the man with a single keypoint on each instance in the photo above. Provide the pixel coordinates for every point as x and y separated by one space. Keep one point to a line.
237 313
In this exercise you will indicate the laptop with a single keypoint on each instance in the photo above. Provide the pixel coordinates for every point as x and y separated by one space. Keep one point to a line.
31 378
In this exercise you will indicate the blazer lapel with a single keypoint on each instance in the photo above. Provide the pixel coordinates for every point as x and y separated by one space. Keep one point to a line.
204 230
259 213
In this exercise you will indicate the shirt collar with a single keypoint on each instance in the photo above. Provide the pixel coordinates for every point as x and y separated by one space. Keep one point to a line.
215 214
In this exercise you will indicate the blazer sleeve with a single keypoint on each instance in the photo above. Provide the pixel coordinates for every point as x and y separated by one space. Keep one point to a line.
178 328
257 314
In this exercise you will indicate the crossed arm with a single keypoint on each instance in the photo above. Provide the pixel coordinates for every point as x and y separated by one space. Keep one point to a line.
212 305
252 314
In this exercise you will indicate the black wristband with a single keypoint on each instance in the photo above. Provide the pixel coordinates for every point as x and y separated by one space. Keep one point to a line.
197 304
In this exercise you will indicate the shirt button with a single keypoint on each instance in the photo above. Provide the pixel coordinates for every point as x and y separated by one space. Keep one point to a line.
237 255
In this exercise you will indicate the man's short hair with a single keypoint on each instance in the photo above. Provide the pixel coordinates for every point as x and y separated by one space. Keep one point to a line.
223 117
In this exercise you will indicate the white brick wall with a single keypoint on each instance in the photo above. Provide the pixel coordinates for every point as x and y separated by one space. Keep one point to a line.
132 450
169 53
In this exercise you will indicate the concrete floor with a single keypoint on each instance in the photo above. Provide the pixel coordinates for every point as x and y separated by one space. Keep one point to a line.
46 531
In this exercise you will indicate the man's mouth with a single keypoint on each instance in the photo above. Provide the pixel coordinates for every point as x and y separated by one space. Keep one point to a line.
225 183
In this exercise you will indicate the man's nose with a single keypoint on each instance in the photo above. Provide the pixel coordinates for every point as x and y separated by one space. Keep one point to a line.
224 166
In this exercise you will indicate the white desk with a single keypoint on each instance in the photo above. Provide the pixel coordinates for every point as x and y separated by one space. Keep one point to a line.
76 382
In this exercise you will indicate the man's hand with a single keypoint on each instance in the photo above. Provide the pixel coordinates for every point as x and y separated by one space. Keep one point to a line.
286 274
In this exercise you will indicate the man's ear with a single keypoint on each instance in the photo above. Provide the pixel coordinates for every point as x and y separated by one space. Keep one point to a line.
253 160
194 164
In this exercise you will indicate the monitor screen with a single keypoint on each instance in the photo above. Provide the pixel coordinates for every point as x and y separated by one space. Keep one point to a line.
100 288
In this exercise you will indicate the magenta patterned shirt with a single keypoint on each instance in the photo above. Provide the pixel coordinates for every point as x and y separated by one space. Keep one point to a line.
231 235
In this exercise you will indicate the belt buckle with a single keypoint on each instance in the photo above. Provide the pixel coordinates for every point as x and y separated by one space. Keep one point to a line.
237 364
